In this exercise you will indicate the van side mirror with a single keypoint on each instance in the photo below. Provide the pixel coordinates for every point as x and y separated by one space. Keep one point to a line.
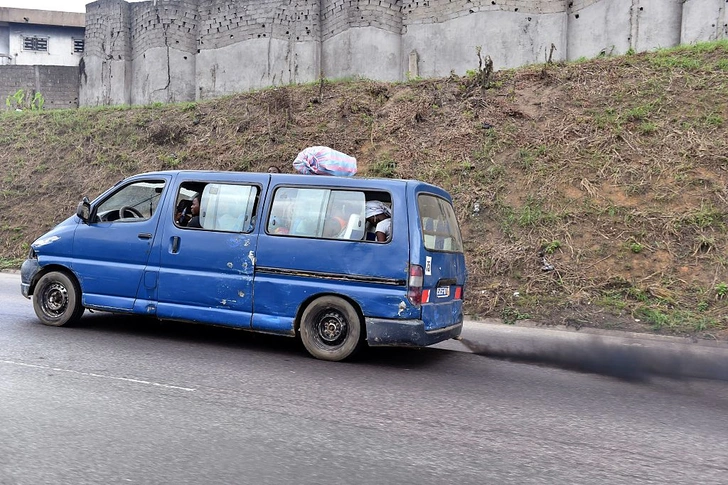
84 210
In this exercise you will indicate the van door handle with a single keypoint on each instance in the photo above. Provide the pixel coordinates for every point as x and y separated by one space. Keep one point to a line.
145 235
175 244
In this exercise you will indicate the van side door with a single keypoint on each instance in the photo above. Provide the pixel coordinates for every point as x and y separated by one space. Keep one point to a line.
112 249
206 272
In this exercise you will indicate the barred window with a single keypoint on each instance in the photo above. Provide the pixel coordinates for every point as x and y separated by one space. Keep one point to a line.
78 45
35 44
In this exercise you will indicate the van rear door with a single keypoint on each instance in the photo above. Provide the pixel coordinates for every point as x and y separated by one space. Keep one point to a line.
442 260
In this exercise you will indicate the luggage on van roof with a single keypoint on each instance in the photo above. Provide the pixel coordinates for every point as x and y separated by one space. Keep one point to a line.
320 160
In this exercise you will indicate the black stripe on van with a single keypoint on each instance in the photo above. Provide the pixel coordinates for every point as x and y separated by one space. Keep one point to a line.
331 276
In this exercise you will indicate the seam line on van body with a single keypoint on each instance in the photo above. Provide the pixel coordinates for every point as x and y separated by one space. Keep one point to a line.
331 276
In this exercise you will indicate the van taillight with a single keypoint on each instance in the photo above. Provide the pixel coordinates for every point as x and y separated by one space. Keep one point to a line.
458 293
414 284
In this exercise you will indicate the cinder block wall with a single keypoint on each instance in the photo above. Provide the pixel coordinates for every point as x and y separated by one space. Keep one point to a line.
182 50
105 69
57 84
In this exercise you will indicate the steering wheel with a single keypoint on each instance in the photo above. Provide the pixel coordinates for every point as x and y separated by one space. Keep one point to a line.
130 210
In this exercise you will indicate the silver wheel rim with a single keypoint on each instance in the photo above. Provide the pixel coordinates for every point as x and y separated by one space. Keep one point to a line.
332 328
55 300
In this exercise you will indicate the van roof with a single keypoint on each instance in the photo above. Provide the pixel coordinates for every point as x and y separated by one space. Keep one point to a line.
311 180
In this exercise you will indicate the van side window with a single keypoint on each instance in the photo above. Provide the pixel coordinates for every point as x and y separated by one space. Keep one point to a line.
440 230
131 203
318 213
222 207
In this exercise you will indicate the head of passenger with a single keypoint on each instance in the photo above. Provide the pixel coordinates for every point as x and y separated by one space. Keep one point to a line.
195 208
380 218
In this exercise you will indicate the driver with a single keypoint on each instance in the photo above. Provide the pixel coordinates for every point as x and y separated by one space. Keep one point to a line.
195 211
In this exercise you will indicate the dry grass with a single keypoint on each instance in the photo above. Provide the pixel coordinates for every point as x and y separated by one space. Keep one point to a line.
617 166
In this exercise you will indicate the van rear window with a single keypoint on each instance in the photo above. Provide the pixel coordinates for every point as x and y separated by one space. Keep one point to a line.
440 230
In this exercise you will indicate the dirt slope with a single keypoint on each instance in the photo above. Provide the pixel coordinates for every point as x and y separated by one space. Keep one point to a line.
590 194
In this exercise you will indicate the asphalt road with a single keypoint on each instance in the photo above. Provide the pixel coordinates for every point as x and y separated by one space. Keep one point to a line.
130 400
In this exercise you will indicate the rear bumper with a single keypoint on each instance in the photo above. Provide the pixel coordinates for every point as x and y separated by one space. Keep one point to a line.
384 332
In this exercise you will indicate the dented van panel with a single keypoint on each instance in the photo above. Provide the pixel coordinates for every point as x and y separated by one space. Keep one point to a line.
254 251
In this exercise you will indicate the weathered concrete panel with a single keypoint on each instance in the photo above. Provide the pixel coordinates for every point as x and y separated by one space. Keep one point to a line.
106 76
106 82
511 39
656 24
255 64
599 28
704 20
163 75
363 51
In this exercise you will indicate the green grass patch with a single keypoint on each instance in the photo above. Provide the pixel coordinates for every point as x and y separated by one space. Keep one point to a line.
11 263
386 168
510 315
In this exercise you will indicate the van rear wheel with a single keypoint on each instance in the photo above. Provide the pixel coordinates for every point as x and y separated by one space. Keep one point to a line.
57 299
331 329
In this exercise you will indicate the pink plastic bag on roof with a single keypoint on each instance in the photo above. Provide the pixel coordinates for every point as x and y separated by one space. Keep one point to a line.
324 161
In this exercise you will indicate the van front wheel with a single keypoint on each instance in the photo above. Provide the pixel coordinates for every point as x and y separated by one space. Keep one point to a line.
331 329
57 299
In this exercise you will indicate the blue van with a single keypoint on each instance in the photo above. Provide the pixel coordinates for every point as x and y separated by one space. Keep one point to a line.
292 255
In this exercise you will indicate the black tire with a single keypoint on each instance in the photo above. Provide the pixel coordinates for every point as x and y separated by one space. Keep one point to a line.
331 329
57 299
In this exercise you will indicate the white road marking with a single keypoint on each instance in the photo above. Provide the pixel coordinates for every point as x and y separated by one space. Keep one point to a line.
91 374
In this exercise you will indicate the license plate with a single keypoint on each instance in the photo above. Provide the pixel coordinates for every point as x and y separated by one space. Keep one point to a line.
443 292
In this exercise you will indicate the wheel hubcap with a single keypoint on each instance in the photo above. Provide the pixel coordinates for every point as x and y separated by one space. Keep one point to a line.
56 299
332 328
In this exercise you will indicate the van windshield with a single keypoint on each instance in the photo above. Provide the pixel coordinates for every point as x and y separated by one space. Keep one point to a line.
440 229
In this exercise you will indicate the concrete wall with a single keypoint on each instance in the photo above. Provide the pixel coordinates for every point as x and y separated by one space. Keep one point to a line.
106 71
163 52
704 20
182 50
361 39
247 45
57 84
528 40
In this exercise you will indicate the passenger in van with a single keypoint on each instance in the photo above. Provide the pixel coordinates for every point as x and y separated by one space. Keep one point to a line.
195 210
379 217
334 227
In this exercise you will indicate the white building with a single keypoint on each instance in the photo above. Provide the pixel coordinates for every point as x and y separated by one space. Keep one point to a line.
40 37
